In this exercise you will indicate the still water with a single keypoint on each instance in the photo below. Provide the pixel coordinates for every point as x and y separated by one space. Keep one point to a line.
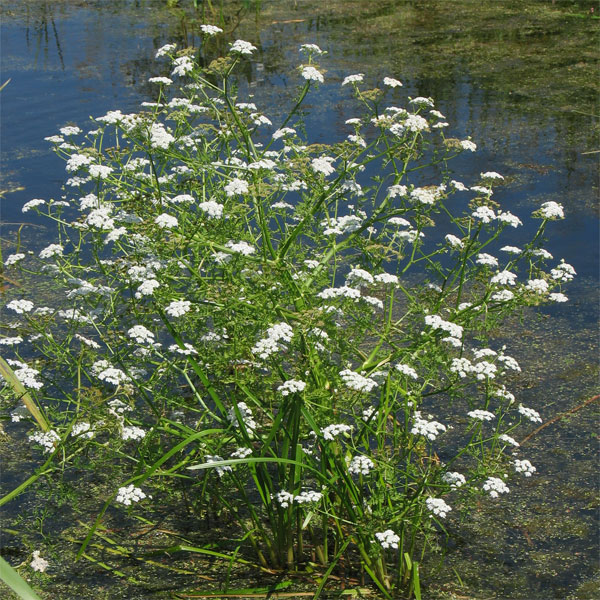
532 122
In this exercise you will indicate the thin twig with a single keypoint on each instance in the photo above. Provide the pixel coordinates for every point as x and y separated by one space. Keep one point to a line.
558 417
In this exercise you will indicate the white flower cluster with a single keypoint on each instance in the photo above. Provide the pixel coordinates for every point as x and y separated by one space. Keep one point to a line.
342 225
563 272
358 78
182 66
214 459
357 382
311 74
552 210
46 439
236 186
129 494
388 539
246 417
495 486
332 431
38 563
272 343
407 370
213 209
132 432
51 250
83 430
481 415
530 414
323 164
25 374
160 137
428 429
291 387
20 306
454 479
166 221
525 467
361 465
178 308
141 335
509 440
438 507
436 322
13 259
308 497
242 47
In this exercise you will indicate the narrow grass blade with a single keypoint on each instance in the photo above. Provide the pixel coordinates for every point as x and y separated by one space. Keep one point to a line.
14 581
9 376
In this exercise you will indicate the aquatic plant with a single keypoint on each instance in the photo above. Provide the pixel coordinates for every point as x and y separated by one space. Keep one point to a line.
297 334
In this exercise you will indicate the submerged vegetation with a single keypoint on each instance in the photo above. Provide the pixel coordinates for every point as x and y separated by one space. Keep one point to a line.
267 351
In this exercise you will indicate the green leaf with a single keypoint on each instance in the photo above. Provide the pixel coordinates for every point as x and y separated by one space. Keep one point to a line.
14 581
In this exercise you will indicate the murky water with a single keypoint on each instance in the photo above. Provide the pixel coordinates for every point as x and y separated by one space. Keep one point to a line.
516 79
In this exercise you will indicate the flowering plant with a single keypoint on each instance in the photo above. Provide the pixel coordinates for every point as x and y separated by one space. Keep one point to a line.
294 331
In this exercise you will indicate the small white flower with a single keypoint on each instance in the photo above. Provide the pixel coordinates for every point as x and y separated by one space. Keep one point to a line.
481 415
38 563
438 507
291 387
495 486
332 431
407 370
32 204
428 429
131 432
453 241
183 65
141 335
468 145
537 286
551 210
165 221
311 49
215 459
388 539
525 467
51 250
46 439
361 465
164 50
129 494
242 47
210 29
355 381
358 78
236 186
491 175
311 74
509 440
13 259
160 80
20 306
391 82
487 260
323 165
454 479
178 308
530 414
100 171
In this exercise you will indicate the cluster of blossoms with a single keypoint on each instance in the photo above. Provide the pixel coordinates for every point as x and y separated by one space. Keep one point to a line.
199 237
38 563
130 494
438 507
388 539
273 342
286 499
361 465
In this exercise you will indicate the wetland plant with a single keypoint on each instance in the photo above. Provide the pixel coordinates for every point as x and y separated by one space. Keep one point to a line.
290 337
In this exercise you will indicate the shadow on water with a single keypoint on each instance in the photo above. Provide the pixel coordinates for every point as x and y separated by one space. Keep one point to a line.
519 77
